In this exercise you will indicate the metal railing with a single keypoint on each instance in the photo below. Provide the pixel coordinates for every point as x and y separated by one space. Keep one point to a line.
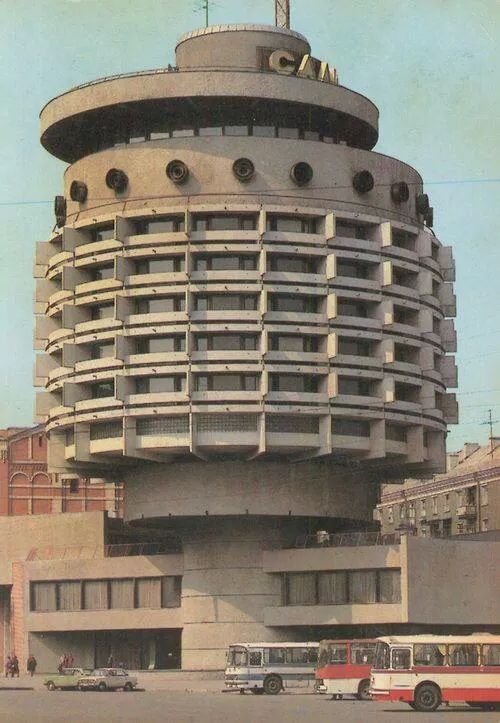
347 539
93 552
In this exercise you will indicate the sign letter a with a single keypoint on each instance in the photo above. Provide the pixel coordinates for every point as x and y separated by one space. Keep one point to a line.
306 68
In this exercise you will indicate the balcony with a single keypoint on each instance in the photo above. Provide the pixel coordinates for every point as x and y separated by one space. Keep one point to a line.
467 511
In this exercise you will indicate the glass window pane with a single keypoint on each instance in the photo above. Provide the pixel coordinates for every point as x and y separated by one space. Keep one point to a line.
389 586
491 654
337 653
95 595
332 588
463 654
301 588
401 658
362 586
236 130
171 592
429 654
264 131
149 592
362 653
297 656
43 596
255 658
70 595
122 594
277 656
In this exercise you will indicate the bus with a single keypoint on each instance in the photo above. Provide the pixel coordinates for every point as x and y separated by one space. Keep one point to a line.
270 667
427 670
344 668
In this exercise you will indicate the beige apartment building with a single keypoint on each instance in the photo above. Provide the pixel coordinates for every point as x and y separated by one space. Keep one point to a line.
244 311
463 500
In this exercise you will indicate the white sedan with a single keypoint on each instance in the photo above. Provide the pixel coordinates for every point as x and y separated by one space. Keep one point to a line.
107 679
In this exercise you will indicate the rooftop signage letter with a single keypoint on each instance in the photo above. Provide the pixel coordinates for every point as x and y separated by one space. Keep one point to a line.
284 62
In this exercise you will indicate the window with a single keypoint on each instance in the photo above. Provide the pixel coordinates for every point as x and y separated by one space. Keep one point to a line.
357 387
353 270
236 131
297 656
102 390
210 131
43 596
491 654
400 658
226 422
434 505
293 264
277 656
404 353
301 588
291 224
226 342
389 586
288 133
106 430
403 239
255 658
280 342
152 426
332 588
406 393
463 654
264 131
226 302
404 278
405 316
353 347
74 486
351 427
395 432
294 383
70 595
160 305
351 230
225 263
102 233
102 311
352 308
227 382
446 503
423 510
121 594
171 588
292 424
429 654
362 586
160 224
299 304
161 344
95 594
483 494
98 273
102 351
149 592
223 222
161 265
160 384
484 525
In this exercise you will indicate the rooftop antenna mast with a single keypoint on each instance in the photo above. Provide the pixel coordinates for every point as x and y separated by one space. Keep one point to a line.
490 423
205 6
282 13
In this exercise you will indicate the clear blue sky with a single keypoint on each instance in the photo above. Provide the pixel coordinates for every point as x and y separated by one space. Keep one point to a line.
431 66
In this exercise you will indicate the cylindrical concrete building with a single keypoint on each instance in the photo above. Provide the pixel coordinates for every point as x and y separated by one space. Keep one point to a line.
242 311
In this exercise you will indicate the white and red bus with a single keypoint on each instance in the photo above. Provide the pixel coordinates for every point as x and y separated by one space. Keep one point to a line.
427 670
344 667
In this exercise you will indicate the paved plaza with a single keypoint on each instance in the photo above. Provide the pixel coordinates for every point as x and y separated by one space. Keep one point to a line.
176 706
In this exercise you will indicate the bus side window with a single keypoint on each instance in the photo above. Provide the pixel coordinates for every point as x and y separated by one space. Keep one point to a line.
312 655
463 654
338 654
401 658
491 654
255 657
277 656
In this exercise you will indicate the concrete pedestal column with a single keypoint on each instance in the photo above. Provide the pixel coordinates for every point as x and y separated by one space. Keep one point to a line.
225 591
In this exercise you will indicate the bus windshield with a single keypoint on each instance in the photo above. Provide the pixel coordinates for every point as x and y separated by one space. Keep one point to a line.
382 656
237 657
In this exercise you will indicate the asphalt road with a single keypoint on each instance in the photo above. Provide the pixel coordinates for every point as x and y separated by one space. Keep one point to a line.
176 707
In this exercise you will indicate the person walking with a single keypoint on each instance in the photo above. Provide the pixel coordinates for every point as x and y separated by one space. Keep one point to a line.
62 660
111 660
31 665
14 666
8 665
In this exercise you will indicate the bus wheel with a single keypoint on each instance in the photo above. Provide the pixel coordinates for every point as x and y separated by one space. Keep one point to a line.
273 685
427 698
364 690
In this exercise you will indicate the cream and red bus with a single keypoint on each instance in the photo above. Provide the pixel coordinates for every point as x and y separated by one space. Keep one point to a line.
344 668
427 670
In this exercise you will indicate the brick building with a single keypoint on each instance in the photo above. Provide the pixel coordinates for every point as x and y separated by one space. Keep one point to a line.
463 500
27 488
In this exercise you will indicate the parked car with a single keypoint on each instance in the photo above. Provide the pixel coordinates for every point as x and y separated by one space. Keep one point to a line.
68 678
107 679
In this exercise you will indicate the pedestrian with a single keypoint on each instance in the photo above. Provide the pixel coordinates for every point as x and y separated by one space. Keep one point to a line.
14 666
61 663
70 661
111 660
31 665
8 665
